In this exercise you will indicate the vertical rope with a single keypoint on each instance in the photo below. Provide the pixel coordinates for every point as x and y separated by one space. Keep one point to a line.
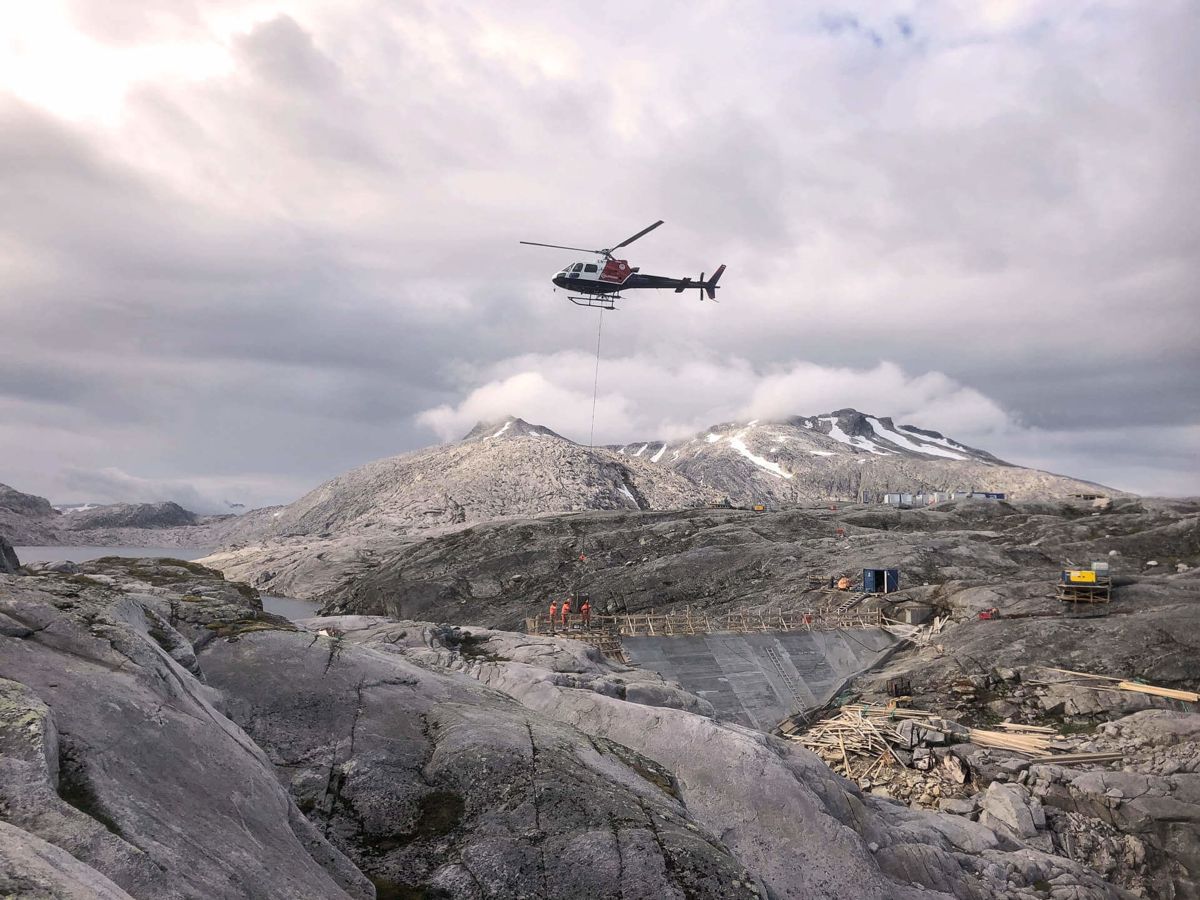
583 544
596 380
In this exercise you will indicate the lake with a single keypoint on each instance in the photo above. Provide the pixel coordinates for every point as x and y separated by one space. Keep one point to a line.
83 554
289 607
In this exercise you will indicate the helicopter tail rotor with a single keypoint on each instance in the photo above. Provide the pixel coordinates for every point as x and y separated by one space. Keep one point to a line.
710 287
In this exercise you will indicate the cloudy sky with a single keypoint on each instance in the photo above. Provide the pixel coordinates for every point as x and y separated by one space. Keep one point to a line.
245 246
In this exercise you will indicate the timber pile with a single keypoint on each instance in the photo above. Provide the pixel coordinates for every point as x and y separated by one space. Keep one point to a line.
858 742
1124 684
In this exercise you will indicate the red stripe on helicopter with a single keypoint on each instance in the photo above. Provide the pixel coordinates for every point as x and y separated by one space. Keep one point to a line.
615 270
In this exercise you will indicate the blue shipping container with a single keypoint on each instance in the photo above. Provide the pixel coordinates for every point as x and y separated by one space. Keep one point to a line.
881 581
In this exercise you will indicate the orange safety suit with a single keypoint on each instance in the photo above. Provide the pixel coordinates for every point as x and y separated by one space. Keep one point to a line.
566 611
843 583
585 613
553 611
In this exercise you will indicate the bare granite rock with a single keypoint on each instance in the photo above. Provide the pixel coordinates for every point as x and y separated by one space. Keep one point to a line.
117 754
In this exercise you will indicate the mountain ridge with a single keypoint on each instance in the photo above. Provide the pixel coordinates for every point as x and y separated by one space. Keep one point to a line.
510 467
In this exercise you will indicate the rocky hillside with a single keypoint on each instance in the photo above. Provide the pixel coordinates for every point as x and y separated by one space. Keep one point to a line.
507 468
717 560
26 519
162 737
131 515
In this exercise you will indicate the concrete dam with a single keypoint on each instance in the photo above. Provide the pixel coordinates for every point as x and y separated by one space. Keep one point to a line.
757 679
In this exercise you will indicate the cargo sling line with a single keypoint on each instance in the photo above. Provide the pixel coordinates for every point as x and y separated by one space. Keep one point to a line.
583 547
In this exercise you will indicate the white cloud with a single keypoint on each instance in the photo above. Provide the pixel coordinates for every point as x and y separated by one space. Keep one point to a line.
531 396
647 397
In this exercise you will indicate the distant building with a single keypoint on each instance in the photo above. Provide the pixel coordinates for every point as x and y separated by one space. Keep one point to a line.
902 500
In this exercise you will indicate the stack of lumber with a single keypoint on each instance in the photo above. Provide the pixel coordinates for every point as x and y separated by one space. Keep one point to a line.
1124 684
1028 740
1035 741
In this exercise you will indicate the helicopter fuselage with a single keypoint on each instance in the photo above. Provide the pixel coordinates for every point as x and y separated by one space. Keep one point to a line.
615 275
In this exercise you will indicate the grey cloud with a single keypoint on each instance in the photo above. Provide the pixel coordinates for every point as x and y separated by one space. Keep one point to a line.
267 273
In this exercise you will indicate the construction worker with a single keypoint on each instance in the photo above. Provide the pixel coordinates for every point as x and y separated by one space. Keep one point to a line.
566 611
585 613
843 583
553 611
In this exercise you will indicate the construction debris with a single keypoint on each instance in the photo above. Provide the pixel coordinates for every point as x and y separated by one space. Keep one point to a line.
861 742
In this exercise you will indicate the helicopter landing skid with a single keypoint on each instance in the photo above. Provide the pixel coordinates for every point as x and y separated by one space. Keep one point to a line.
602 302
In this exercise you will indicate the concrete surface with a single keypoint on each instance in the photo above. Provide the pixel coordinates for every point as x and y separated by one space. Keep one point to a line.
758 679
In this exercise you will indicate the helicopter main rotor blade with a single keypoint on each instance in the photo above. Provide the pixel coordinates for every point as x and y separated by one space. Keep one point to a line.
641 233
561 247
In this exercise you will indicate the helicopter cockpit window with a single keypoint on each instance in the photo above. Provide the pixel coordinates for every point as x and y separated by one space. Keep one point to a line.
578 267
590 267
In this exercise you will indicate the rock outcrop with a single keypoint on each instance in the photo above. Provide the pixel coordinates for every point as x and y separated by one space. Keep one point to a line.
9 564
26 518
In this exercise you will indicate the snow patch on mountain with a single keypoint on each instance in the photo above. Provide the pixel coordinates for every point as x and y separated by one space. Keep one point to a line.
907 443
739 445
860 443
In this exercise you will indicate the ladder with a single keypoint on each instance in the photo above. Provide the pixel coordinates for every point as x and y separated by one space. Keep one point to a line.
783 672
849 603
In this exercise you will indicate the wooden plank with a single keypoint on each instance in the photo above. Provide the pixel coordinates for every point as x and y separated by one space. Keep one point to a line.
1169 693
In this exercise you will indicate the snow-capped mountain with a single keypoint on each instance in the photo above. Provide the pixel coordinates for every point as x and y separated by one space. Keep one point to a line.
513 468
837 455
845 432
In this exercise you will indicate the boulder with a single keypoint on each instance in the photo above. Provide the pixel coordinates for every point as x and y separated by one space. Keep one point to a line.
34 869
1009 808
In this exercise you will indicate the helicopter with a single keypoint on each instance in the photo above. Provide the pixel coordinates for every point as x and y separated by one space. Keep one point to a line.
599 283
